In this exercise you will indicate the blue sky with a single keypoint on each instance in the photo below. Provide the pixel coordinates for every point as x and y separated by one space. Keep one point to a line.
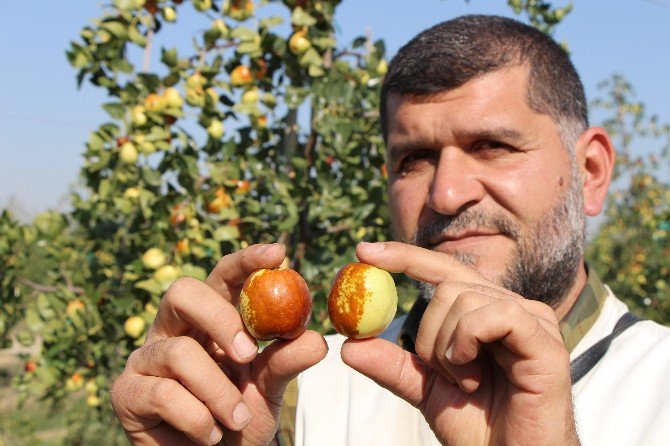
45 120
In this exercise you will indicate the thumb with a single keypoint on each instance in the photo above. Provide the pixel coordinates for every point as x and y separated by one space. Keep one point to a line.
390 366
282 361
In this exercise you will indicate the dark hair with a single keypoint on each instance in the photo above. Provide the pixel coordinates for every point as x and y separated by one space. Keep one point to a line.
449 54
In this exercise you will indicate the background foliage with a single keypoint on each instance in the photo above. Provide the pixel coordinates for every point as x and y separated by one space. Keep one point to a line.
267 130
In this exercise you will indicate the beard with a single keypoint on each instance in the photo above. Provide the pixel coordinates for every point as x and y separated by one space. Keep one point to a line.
547 258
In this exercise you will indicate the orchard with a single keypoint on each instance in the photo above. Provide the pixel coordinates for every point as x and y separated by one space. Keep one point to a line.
266 130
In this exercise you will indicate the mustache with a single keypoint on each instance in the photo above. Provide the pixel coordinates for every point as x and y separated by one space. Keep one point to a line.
470 219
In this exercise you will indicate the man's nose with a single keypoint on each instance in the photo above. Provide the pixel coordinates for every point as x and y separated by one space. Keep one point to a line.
456 185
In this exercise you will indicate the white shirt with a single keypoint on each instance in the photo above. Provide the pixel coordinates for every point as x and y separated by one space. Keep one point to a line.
623 400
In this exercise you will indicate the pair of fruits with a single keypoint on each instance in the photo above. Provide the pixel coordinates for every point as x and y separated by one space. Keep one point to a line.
276 303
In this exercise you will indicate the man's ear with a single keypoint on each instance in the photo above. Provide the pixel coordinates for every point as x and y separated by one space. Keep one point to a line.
595 155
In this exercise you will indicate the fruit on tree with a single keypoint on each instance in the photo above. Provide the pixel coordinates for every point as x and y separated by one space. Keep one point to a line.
153 258
91 387
132 193
219 27
73 307
138 116
93 401
151 6
240 9
169 13
151 309
299 43
243 186
241 75
155 102
250 96
172 97
166 274
74 382
134 326
30 366
220 201
362 301
215 129
128 153
382 67
195 80
179 214
183 247
275 304
202 5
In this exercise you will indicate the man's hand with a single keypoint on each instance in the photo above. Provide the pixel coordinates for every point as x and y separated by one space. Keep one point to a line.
491 367
200 369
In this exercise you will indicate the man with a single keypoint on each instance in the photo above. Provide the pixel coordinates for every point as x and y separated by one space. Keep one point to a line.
492 167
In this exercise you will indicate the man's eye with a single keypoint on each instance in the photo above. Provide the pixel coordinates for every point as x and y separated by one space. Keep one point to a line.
493 146
416 160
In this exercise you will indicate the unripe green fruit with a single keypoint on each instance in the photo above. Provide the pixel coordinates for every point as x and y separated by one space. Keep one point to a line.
169 14
215 129
298 43
250 96
134 326
173 98
128 153
202 5
153 258
137 115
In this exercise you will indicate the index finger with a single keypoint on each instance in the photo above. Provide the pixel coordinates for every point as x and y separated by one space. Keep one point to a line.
419 263
232 270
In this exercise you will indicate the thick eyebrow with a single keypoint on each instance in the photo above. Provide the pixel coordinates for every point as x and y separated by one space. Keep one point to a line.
501 134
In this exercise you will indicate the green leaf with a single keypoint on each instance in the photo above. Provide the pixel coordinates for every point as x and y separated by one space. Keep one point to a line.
115 28
135 36
271 22
359 42
114 109
169 57
226 233
301 18
153 286
248 47
244 34
194 271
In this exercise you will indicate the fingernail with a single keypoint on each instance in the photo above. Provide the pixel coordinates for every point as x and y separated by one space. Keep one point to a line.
372 248
244 345
450 352
215 436
261 249
241 414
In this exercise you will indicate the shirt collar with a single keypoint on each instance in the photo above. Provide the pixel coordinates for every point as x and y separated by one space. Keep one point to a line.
573 326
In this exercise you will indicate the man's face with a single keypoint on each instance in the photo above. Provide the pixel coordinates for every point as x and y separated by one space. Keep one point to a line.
477 173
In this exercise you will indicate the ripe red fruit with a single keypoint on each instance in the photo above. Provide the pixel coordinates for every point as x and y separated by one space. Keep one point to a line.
275 303
30 366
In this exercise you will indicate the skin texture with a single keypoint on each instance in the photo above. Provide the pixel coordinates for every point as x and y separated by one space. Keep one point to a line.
490 367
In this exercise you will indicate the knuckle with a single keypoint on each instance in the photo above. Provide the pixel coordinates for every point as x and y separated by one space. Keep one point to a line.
423 350
181 348
180 287
511 306
161 393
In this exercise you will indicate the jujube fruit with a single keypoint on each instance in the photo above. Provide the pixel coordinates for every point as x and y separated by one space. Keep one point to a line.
275 304
362 301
